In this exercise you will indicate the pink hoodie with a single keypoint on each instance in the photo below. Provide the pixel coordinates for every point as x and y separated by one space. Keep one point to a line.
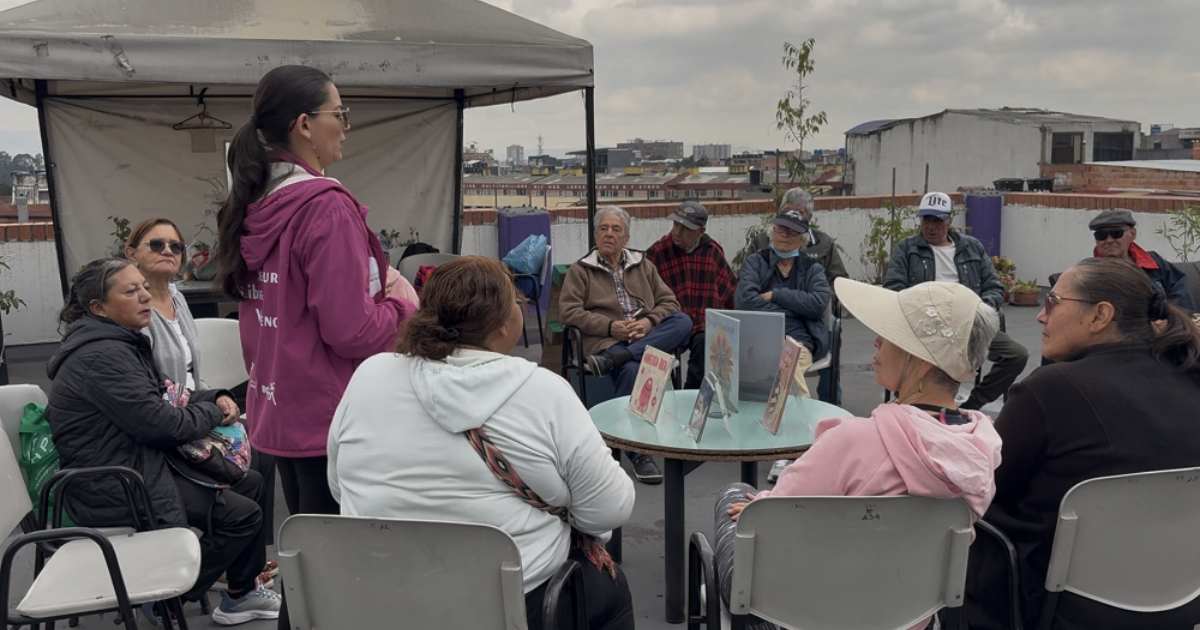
898 450
315 310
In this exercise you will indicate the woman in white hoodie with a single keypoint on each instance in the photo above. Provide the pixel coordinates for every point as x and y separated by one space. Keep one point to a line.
410 436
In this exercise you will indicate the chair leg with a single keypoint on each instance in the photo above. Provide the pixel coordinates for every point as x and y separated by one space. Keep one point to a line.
524 331
176 607
537 307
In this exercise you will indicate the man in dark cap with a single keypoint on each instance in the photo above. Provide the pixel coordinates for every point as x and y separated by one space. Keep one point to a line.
1115 230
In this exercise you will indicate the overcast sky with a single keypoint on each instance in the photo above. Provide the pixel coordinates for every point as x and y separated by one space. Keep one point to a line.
709 70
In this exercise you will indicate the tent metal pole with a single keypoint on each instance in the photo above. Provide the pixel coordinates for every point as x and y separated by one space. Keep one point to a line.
48 159
460 97
589 106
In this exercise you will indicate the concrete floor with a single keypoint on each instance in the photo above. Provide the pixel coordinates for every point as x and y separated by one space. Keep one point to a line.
643 535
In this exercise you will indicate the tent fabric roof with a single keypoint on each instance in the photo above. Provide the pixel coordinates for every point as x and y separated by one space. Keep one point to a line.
411 47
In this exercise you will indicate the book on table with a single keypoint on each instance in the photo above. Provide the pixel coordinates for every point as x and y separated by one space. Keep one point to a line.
704 400
722 335
782 387
654 374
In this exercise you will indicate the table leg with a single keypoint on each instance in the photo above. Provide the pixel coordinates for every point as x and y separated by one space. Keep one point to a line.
750 473
614 543
674 513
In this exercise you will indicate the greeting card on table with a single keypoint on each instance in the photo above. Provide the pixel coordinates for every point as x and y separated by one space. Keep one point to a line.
782 385
652 378
722 334
704 400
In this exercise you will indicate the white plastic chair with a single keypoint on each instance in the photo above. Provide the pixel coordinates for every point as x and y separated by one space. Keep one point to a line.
839 563
411 265
359 572
13 399
1126 541
92 573
219 343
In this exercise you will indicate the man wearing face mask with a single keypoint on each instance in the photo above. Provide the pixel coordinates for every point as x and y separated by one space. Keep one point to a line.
938 253
694 266
779 279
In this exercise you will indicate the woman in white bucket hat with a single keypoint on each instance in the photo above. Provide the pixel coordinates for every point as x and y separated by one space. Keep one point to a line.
929 338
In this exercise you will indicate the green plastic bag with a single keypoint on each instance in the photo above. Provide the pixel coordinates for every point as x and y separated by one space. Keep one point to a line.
39 457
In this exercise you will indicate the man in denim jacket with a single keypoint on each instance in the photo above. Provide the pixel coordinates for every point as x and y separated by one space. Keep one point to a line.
938 253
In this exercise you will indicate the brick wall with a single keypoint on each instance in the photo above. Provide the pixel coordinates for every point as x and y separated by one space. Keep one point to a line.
27 232
1104 177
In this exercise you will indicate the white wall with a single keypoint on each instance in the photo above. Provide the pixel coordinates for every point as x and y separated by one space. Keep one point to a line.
33 274
962 150
1042 241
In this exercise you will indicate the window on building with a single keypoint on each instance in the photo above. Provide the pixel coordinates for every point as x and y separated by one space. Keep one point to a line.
523 191
629 193
701 193
539 193
653 194
1066 148
562 193
485 191
1112 147
720 193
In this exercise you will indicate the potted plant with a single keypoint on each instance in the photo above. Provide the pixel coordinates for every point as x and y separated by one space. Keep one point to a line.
1005 273
1025 293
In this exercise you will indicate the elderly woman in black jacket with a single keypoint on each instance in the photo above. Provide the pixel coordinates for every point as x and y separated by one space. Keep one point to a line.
107 408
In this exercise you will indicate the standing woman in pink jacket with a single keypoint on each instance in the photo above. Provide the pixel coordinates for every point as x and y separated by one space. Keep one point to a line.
317 296
929 339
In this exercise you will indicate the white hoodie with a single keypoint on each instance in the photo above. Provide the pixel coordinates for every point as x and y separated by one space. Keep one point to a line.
397 449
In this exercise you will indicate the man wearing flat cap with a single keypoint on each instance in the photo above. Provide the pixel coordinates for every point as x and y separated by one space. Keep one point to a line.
1115 230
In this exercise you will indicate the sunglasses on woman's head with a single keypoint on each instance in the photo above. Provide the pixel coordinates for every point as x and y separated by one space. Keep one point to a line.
1102 235
157 245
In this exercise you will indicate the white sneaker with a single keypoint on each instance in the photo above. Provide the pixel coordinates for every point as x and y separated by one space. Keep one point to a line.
777 469
257 604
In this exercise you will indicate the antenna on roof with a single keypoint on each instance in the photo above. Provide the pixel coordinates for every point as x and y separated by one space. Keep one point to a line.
540 145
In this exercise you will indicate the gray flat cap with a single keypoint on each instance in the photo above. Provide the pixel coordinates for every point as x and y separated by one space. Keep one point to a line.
1112 217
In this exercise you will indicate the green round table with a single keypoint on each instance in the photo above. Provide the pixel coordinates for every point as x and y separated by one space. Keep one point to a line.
740 439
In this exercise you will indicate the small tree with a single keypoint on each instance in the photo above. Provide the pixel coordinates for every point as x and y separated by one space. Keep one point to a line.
790 112
8 299
1183 232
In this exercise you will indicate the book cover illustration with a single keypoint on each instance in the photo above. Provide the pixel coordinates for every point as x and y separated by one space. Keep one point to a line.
722 334
704 400
653 375
782 385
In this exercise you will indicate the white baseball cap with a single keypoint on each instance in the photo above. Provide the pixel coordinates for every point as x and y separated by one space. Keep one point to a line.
935 204
931 321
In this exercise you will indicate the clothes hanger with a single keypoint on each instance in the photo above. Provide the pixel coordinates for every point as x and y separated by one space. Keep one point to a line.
202 120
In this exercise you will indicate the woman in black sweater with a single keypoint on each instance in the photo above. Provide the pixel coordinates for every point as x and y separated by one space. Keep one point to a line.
1121 397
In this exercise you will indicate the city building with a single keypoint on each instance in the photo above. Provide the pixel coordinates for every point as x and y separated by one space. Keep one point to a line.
1168 142
975 147
514 156
719 152
609 160
654 149
31 185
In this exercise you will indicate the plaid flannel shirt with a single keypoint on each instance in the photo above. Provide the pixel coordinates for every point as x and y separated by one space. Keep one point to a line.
700 280
629 304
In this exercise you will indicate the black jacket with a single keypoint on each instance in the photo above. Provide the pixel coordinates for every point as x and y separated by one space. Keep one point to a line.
912 263
107 409
1109 409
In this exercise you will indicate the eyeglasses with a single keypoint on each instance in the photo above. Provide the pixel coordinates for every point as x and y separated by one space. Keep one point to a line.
157 245
1053 300
787 231
1102 235
342 114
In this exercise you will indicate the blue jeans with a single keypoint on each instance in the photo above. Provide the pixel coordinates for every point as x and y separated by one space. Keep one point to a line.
672 333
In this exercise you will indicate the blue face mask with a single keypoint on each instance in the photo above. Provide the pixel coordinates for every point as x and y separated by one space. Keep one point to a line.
792 254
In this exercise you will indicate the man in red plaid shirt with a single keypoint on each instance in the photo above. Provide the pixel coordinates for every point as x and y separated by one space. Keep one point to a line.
694 266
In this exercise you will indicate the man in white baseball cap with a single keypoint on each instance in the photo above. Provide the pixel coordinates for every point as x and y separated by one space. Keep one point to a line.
939 253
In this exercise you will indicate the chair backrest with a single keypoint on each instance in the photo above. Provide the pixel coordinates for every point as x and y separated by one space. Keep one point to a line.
1192 271
409 266
356 572
16 503
850 562
13 399
220 347
1129 541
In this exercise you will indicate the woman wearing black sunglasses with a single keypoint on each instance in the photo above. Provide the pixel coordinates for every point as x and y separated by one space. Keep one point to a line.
156 247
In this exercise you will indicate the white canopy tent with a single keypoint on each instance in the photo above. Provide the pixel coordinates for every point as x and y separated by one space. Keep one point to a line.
111 78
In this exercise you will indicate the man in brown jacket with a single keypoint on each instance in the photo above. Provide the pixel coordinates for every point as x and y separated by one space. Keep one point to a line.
616 298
